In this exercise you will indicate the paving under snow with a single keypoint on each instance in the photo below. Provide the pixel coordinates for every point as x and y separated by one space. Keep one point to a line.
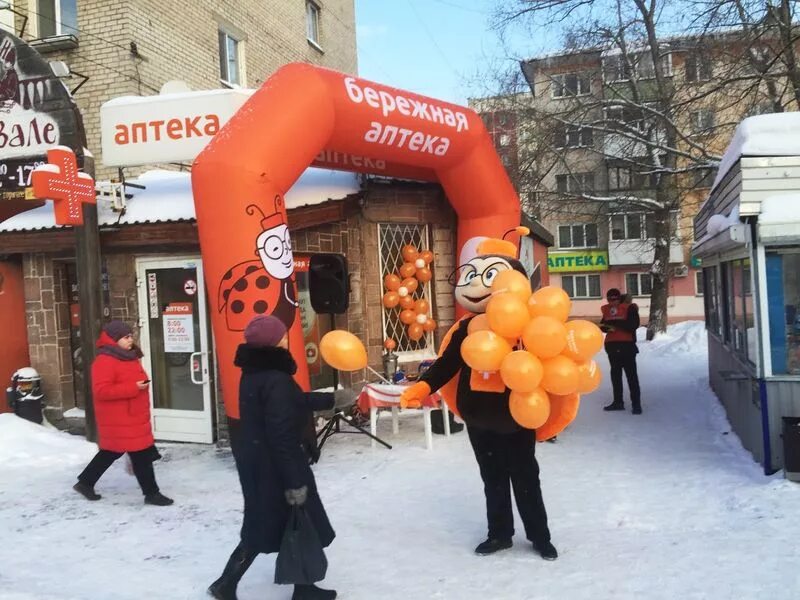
663 506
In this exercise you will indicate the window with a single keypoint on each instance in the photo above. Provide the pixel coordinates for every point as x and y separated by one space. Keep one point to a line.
581 286
57 17
631 226
711 300
391 239
229 67
698 67
615 66
573 136
570 84
624 178
698 283
783 291
577 236
312 23
638 284
575 183
702 121
703 178
739 306
625 117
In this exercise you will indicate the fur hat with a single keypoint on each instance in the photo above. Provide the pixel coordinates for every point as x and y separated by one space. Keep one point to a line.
264 330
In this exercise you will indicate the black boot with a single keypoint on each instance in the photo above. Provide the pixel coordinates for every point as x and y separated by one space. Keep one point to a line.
158 499
491 546
224 588
637 409
546 550
312 592
86 490
614 406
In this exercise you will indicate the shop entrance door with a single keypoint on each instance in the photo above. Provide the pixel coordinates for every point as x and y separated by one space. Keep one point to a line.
175 342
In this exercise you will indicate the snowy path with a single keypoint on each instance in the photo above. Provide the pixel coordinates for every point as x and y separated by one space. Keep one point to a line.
662 506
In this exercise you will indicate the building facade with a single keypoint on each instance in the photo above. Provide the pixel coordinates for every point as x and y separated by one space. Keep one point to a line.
580 146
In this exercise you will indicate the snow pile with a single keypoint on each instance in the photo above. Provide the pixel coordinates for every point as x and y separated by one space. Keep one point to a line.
26 445
762 135
687 338
719 223
779 209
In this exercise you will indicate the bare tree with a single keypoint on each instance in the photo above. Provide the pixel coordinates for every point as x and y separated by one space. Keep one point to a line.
655 94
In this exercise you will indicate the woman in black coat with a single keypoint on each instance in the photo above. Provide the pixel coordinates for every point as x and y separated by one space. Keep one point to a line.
267 444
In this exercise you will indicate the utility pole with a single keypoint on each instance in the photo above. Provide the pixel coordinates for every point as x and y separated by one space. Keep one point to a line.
87 259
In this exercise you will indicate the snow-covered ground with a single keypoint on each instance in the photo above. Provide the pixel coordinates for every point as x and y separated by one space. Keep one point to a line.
663 506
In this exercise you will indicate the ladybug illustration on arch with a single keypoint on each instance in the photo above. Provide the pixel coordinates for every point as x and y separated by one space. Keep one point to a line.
265 286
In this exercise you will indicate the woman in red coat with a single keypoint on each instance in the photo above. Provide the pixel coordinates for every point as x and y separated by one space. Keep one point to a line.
122 412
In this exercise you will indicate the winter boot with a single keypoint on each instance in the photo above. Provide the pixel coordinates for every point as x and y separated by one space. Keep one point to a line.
312 592
546 550
86 490
637 409
158 499
491 546
224 588
614 406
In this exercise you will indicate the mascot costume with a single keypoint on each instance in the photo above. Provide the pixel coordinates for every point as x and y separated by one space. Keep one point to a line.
504 449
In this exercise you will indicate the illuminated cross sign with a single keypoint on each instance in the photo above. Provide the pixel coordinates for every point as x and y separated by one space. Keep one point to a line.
60 181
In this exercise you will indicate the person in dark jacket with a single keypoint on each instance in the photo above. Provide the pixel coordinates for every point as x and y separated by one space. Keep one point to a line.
267 445
620 322
504 450
122 412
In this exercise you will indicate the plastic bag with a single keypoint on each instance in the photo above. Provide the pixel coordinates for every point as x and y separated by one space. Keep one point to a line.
301 559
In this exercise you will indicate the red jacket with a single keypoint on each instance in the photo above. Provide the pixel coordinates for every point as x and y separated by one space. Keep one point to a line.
121 409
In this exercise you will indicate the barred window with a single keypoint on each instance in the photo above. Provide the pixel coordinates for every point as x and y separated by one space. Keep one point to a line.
391 239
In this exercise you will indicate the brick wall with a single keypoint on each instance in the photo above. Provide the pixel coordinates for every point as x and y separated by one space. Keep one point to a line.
182 44
48 319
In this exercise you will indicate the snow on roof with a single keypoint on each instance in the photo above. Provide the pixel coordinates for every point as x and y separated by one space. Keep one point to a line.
190 95
763 135
167 197
779 209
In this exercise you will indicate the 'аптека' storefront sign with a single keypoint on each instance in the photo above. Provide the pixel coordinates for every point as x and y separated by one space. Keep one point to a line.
576 262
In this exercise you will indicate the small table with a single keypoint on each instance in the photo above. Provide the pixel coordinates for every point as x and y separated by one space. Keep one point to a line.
381 395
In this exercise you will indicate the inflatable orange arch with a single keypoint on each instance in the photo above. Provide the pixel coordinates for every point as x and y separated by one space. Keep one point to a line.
306 115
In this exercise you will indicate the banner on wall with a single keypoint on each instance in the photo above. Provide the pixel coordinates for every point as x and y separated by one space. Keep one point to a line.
577 262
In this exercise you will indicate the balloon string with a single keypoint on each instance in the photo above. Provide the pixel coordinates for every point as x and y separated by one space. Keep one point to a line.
381 377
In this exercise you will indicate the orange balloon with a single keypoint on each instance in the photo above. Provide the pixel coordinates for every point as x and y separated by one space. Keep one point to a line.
391 282
427 256
391 299
507 315
512 282
424 274
545 337
415 331
560 376
530 409
343 351
410 253
563 410
389 344
407 270
550 301
478 323
421 306
407 302
410 284
429 325
521 371
408 316
589 377
484 351
584 340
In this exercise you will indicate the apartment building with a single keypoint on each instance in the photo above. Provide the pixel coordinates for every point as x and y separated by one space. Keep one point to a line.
580 148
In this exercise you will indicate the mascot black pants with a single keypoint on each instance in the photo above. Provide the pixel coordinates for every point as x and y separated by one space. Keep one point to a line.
506 461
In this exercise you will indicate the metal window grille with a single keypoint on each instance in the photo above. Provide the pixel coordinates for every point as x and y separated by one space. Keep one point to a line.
391 239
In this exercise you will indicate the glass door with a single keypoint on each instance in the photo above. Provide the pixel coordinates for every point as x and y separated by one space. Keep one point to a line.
175 342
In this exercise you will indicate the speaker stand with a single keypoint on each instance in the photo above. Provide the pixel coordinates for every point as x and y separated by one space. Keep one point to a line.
334 426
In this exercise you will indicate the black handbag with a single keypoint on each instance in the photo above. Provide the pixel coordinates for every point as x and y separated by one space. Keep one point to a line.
301 559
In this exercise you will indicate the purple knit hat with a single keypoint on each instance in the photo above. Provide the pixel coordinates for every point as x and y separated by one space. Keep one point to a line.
264 330
117 330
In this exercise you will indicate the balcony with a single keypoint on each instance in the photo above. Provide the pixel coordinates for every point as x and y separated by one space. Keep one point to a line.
640 252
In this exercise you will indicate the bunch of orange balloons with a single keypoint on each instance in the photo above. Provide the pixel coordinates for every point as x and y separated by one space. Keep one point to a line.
545 360
402 286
